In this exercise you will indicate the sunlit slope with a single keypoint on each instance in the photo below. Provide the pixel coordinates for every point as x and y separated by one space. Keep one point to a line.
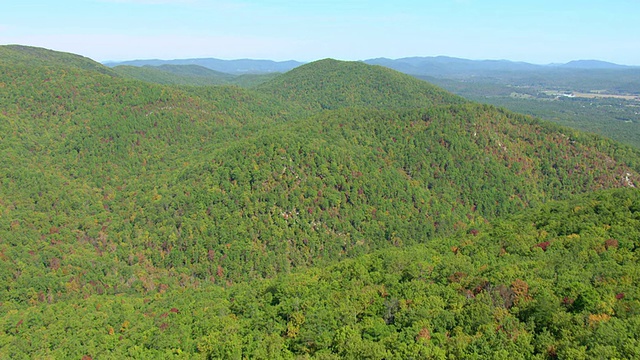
34 56
346 182
332 84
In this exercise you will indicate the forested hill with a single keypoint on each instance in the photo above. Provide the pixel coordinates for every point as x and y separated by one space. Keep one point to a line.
332 84
19 55
112 187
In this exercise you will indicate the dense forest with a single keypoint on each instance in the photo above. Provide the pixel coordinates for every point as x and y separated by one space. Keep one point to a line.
557 281
339 210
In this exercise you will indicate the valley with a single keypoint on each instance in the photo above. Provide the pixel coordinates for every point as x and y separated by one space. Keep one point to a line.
607 112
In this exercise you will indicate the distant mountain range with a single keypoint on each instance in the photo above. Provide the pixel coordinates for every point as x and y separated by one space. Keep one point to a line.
443 66
426 66
594 64
235 67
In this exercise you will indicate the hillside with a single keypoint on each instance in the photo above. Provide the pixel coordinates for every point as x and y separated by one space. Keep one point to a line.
348 182
31 56
331 84
554 282
165 196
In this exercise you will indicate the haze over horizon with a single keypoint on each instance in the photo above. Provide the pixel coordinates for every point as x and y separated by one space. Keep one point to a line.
117 30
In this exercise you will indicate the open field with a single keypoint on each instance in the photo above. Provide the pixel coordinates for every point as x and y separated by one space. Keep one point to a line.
605 96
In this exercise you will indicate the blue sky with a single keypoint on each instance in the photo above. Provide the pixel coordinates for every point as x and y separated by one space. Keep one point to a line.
542 31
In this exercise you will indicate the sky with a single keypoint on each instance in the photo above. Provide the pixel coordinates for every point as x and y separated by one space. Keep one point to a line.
540 32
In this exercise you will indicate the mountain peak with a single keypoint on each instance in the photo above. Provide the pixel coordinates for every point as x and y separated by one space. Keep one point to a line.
592 64
330 84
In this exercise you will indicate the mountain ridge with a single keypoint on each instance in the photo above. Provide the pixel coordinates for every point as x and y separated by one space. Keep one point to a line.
29 55
594 64
236 66
413 65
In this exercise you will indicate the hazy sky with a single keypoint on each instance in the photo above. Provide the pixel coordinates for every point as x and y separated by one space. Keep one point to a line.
541 31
